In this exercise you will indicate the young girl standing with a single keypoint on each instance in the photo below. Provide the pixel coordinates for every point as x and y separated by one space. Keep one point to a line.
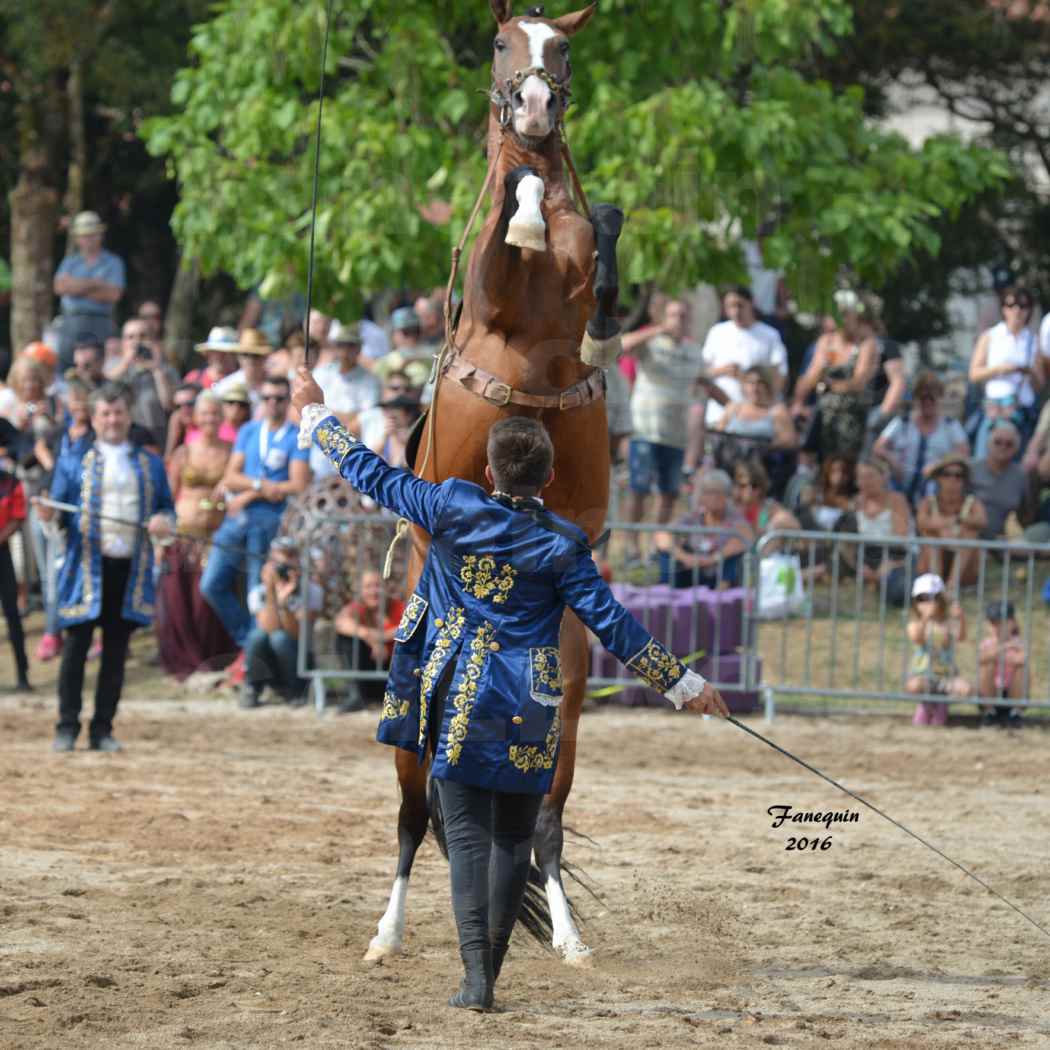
934 629
1002 658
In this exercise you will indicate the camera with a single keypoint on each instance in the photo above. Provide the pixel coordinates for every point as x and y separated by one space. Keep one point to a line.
284 572
143 352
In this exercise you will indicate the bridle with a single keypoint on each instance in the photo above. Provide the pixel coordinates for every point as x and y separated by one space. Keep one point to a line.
501 95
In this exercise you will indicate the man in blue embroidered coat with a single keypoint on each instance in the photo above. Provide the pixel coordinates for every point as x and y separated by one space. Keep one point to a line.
475 678
107 576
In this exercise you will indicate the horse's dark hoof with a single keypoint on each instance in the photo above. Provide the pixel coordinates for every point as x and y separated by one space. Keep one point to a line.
475 992
600 328
607 220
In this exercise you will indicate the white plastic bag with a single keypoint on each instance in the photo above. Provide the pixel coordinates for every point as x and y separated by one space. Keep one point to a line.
780 589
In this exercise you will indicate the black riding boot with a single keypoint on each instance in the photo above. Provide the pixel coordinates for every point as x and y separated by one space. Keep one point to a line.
498 953
475 993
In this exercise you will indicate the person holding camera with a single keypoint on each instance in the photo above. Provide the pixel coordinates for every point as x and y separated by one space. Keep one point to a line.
149 378
271 653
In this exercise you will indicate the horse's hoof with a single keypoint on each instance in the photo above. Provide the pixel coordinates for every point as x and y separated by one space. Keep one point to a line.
378 953
600 353
577 954
527 235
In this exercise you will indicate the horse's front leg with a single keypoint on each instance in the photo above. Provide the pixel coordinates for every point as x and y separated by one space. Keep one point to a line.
601 343
549 837
411 827
525 226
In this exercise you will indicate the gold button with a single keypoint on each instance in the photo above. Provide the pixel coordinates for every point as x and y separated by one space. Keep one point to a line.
517 720
439 622
494 646
418 671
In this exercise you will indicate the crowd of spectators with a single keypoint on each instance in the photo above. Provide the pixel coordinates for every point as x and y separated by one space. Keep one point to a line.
712 433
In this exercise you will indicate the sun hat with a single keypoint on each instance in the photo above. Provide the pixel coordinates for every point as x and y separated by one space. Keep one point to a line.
220 338
928 583
252 341
236 392
344 334
86 223
953 459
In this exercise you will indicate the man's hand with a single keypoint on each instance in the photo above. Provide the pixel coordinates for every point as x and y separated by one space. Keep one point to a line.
159 526
709 702
286 588
305 391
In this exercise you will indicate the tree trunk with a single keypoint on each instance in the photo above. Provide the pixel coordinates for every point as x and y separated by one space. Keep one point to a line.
178 322
34 213
77 139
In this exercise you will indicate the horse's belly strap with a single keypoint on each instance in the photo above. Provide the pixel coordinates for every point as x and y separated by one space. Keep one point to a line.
496 392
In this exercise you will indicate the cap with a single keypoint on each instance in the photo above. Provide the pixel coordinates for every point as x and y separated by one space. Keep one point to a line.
403 318
344 334
927 584
236 392
999 611
86 223
400 401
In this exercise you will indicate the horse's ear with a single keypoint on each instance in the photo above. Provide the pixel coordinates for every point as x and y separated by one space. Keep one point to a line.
573 23
501 9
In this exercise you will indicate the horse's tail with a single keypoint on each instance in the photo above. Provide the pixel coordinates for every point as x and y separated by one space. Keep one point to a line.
535 915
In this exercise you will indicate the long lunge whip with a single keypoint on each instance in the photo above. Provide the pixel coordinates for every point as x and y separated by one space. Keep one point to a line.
886 816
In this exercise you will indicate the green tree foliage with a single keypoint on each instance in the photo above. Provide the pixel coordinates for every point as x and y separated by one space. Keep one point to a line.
696 117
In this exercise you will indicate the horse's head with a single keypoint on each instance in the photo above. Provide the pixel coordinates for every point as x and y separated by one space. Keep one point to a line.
531 70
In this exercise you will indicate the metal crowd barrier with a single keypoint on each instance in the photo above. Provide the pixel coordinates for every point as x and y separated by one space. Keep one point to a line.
847 638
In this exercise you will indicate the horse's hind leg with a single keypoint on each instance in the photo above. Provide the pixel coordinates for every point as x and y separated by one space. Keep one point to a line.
548 842
601 343
411 827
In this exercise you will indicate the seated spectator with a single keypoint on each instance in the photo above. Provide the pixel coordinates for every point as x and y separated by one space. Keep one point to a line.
373 421
711 559
823 503
151 313
751 493
283 362
190 636
912 444
997 481
1039 445
1002 665
365 632
399 416
349 389
87 364
951 512
266 467
218 350
271 654
878 515
252 353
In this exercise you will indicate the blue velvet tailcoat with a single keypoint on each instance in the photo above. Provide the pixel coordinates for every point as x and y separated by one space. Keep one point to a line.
488 610
79 480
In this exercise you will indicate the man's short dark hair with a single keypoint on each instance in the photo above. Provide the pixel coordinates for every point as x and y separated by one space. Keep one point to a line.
277 381
740 290
88 341
108 393
521 455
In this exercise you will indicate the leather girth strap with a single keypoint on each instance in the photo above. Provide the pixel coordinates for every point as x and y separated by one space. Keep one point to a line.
485 385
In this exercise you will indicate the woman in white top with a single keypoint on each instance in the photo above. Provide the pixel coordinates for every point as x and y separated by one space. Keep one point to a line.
1008 362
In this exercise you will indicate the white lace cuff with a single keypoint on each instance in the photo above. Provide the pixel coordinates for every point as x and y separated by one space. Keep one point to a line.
309 418
688 686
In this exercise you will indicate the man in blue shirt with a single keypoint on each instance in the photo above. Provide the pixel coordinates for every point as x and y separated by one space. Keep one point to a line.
266 467
91 282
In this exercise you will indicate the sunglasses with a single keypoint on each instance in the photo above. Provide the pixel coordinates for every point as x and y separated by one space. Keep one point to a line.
1004 443
275 397
184 404
959 475
1018 304
922 598
238 403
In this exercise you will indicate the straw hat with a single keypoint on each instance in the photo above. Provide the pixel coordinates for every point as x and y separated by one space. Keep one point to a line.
252 341
85 223
953 459
236 392
222 339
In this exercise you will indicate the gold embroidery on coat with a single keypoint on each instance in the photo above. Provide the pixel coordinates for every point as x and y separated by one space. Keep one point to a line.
410 618
448 632
532 758
334 441
481 576
547 684
393 707
657 667
467 696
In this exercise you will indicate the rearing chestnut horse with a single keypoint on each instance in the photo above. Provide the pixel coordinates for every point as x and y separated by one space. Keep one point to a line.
538 318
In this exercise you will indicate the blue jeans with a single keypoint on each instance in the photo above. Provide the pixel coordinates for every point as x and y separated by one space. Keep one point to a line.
272 659
239 544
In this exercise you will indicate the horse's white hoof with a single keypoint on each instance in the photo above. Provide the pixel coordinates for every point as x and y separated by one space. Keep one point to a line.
576 953
527 235
378 952
600 353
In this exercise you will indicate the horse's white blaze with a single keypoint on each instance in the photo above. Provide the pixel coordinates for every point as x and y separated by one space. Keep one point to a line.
538 35
387 940
565 938
527 229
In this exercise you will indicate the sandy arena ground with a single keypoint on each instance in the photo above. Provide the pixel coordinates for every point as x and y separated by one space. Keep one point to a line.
216 884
